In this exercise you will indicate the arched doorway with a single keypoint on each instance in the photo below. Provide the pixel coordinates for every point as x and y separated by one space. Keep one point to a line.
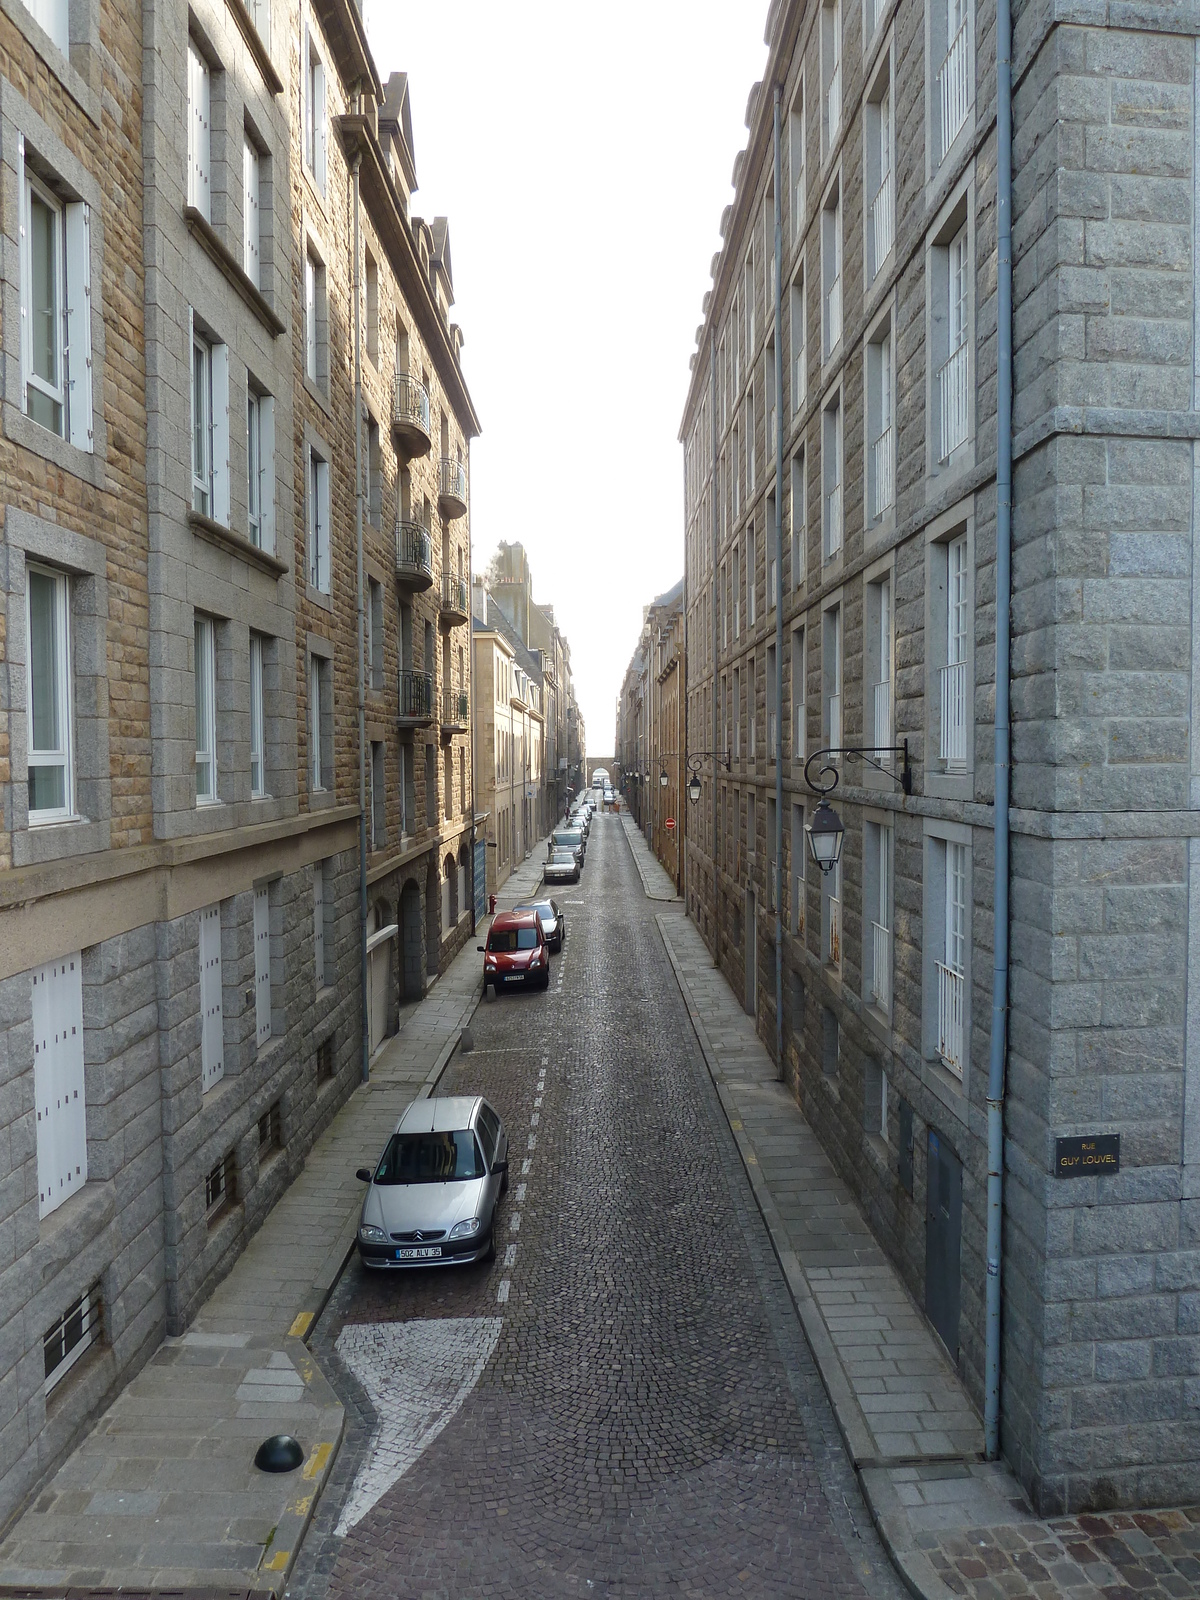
464 880
410 941
449 895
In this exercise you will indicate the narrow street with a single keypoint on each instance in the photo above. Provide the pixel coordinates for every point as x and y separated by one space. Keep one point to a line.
622 1404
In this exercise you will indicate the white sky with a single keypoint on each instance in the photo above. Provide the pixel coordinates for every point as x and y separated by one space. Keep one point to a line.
583 155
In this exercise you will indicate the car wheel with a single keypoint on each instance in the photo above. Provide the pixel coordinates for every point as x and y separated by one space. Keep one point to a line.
546 979
490 1253
504 1181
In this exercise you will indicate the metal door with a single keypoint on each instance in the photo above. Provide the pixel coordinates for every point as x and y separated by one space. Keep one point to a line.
943 1240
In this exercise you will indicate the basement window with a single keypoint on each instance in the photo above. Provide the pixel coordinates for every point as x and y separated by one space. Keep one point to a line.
75 1332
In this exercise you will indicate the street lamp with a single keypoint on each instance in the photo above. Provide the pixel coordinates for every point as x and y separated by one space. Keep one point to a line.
825 834
663 779
693 788
825 831
693 765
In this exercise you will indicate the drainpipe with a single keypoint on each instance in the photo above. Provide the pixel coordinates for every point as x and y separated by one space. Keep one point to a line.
471 730
779 1063
362 651
999 1040
715 516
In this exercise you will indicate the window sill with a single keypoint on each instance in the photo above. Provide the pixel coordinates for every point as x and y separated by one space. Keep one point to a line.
30 435
223 258
256 45
318 392
41 842
320 597
73 81
321 799
225 538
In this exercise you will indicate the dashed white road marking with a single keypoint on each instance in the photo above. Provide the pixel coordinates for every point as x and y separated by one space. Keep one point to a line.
532 1144
502 1291
545 1061
526 1166
417 1375
535 1119
514 1222
521 1193
537 1102
510 1255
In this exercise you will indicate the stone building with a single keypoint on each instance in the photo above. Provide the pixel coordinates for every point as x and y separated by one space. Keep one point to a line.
180 933
511 739
651 735
887 579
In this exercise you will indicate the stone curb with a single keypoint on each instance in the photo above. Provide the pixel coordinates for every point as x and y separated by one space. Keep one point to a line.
631 828
887 1513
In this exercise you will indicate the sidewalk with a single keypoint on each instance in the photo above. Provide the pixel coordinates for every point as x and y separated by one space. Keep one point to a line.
953 1524
163 1494
656 881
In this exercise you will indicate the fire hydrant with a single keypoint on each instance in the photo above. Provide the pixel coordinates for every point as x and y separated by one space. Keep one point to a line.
491 905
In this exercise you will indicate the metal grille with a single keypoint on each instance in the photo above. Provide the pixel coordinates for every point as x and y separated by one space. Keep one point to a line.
77 1330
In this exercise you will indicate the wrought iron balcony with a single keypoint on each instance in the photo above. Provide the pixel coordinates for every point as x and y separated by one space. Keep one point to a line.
415 709
456 711
456 600
452 488
414 555
410 414
951 987
881 966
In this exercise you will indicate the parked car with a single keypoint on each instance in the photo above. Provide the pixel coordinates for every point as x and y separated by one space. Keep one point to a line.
562 867
433 1193
569 839
515 952
582 819
554 924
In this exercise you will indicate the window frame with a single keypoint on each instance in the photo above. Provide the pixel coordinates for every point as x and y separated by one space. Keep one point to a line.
202 423
35 187
319 533
63 695
204 670
315 117
258 757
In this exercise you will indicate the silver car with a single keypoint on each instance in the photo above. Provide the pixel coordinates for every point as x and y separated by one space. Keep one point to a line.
433 1194
562 867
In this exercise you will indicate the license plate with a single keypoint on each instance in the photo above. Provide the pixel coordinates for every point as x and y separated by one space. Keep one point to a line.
425 1252
515 977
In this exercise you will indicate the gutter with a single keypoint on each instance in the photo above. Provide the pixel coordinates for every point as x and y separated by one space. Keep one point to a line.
1003 753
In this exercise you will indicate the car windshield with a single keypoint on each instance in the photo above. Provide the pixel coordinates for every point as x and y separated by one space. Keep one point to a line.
509 939
431 1158
544 908
562 858
567 836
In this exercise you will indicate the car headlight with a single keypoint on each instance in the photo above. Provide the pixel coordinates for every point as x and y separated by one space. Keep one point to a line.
370 1234
464 1230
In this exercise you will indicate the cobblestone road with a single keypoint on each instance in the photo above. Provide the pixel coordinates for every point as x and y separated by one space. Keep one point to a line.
622 1404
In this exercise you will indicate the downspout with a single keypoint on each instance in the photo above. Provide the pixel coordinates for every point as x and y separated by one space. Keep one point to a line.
362 651
1000 933
681 734
779 1063
714 497
471 702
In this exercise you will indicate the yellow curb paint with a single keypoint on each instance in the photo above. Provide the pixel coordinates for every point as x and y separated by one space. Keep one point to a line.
751 1161
278 1561
736 1126
315 1464
299 1508
301 1325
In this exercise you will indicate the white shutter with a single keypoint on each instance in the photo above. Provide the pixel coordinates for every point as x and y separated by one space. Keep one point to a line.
57 996
199 134
266 473
310 317
212 1025
320 128
26 271
262 966
319 921
220 510
79 324
250 218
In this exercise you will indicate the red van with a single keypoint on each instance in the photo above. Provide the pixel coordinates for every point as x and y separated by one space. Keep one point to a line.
515 952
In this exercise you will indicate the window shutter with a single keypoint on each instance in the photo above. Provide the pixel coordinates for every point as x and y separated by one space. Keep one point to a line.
266 473
250 217
79 324
219 423
321 143
58 1081
199 134
26 271
262 966
319 921
212 1025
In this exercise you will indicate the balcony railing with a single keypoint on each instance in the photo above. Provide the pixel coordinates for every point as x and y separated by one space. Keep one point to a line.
954 88
456 598
833 101
883 715
881 966
452 487
414 554
410 413
416 697
952 399
950 1018
882 218
954 712
833 521
835 721
884 463
456 709
833 950
834 305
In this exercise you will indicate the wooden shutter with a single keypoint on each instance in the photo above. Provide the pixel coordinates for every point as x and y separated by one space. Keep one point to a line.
212 1022
250 217
78 228
57 1005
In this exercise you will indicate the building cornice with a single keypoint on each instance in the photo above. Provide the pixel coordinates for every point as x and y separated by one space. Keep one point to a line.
343 26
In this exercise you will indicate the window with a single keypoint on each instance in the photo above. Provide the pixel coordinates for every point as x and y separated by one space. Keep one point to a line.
58 1081
258 777
319 875
212 1024
205 673
270 1132
372 308
220 1189
799 344
374 634
772 554
737 712
56 328
878 663
202 426
831 467
750 299
877 919
251 221
737 593
952 375
73 1334
798 868
796 154
881 455
48 715
799 510
260 470
318 523
320 729
260 15
831 269
752 704
953 93
831 917
751 577
374 475
799 701
316 365
55 17
262 965
953 745
772 706
951 968
378 796
772 852
875 1100
315 120
199 115
879 185
325 1061
831 71
833 677
830 1047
